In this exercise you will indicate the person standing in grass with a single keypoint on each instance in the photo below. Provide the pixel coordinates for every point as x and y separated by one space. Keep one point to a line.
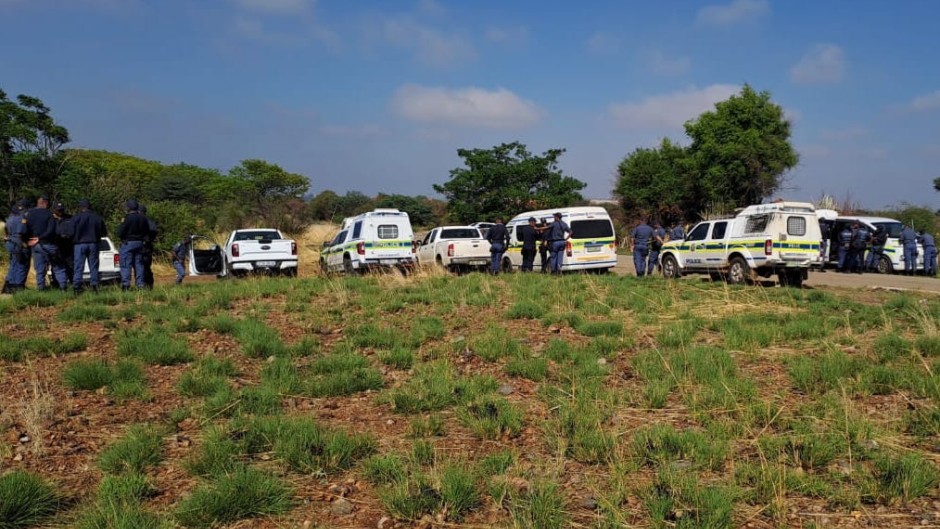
41 234
860 239
133 231
498 237
15 244
529 235
558 234
676 233
656 244
147 254
543 247
640 246
88 230
180 253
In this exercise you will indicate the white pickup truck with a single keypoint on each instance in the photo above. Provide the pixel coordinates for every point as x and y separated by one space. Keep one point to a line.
256 250
454 248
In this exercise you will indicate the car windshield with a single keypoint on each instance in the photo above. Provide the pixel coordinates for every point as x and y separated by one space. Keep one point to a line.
893 228
591 229
257 235
460 233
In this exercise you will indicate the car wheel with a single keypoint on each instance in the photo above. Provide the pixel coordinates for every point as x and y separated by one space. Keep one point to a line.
439 261
671 267
791 278
885 266
739 273
347 266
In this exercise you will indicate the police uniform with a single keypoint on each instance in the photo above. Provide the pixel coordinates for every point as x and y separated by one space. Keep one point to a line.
15 245
499 240
558 233
656 243
860 239
641 237
133 231
147 254
180 252
41 225
878 241
88 230
930 254
64 233
677 233
845 242
908 241
530 239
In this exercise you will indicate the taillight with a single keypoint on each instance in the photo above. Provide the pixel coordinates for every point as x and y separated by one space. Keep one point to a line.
568 248
450 250
768 247
235 250
117 260
361 248
293 248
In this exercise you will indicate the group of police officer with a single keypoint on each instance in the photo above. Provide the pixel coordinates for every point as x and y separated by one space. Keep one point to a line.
548 240
861 249
62 244
646 241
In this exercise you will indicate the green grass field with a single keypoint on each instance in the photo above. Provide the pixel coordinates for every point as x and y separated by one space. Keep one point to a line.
520 401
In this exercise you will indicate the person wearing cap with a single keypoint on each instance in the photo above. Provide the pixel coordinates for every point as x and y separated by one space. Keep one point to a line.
529 235
41 235
133 231
88 229
640 240
498 237
147 254
180 252
558 234
908 241
656 244
15 244
861 237
64 234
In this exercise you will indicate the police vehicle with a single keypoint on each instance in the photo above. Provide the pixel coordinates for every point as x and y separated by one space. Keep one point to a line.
382 238
780 238
892 257
592 245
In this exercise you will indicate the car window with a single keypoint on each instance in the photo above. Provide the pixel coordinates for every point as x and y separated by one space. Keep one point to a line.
433 236
340 237
893 228
460 233
256 235
796 225
698 233
591 229
103 246
718 232
427 238
357 230
387 231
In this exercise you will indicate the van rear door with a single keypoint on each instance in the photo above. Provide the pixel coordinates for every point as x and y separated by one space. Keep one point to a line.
592 244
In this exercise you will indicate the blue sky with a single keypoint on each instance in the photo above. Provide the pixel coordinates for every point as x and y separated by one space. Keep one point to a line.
378 96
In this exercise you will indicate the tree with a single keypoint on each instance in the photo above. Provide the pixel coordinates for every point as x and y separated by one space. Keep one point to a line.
324 206
506 180
353 203
418 208
657 182
267 183
936 183
30 146
741 149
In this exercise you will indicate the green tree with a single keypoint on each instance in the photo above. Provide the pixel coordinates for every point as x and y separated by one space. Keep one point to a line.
353 203
936 183
506 180
107 179
31 142
419 208
741 149
659 182
324 206
267 183
921 217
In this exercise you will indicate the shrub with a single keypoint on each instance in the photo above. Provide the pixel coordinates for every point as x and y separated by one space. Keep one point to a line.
154 347
490 417
88 374
903 478
381 470
242 494
140 448
25 500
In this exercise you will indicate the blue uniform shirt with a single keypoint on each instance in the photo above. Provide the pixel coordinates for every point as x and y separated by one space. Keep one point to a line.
557 230
908 237
928 241
642 235
88 227
40 224
845 236
15 227
677 233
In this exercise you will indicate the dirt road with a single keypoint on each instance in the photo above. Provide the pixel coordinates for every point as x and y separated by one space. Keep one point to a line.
830 278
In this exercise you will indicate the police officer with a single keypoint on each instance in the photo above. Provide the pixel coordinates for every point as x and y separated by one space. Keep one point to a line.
64 234
558 234
677 232
861 236
640 246
878 241
543 247
133 231
180 252
530 236
659 237
88 229
930 253
41 234
908 241
498 237
147 254
15 244
845 243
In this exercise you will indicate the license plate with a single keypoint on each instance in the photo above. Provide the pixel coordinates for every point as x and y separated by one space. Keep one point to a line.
592 249
266 264
388 261
479 262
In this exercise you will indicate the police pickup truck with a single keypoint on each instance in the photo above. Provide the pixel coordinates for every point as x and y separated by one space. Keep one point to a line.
780 238
454 248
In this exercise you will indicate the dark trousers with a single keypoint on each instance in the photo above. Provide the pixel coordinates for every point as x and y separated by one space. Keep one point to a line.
85 252
543 258
19 265
47 256
147 257
528 259
132 259
640 256
496 253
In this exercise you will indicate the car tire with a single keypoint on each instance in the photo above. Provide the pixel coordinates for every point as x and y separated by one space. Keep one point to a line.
791 278
671 267
347 266
739 273
885 266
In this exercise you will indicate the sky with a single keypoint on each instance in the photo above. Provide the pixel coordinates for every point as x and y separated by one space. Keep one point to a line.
377 96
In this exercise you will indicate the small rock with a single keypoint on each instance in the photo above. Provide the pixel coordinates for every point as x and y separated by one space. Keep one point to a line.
390 422
25 438
506 389
18 457
341 507
870 444
307 524
589 503
270 359
382 521
602 361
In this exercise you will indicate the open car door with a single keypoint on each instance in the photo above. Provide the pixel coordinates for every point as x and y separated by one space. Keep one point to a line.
205 257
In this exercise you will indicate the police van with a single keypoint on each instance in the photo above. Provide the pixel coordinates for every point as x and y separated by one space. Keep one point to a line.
378 239
780 238
592 245
892 257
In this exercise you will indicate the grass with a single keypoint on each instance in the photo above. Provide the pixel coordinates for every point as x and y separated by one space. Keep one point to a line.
244 493
902 478
154 346
542 506
17 349
341 374
436 386
490 417
125 379
26 500
140 448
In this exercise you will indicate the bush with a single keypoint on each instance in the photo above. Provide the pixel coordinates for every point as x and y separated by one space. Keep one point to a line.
244 493
140 448
25 500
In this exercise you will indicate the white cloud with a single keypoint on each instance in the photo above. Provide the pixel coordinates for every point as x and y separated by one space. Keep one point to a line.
822 64
465 107
276 7
601 42
926 102
670 111
736 12
431 47
850 133
515 37
662 64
